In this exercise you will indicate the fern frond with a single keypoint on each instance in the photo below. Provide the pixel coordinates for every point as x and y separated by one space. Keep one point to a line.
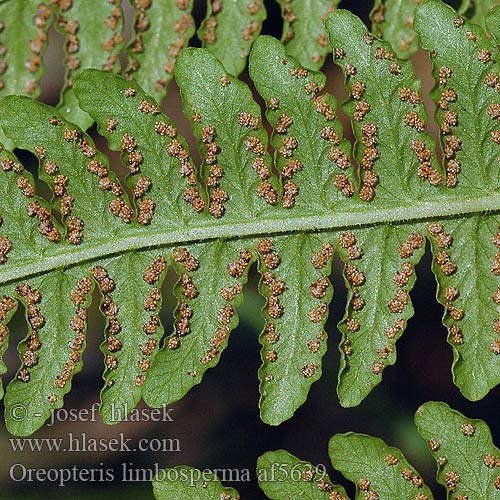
161 30
93 35
282 476
303 30
213 223
23 39
191 483
463 449
235 24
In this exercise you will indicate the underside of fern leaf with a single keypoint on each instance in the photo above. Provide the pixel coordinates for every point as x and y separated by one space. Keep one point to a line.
376 208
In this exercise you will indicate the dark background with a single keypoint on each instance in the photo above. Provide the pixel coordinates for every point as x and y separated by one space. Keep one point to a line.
218 422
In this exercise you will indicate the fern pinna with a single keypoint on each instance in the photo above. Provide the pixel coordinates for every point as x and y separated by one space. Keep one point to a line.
466 457
212 224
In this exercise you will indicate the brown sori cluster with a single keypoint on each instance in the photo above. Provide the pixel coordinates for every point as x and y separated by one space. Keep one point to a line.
7 304
78 297
320 259
495 269
188 261
149 107
347 241
188 288
412 243
452 478
491 461
224 317
210 27
182 325
425 168
70 27
217 195
237 269
406 95
248 120
110 310
450 119
180 27
45 225
146 206
153 273
340 158
151 304
248 33
264 189
370 179
135 156
117 206
324 108
5 246
443 240
309 369
176 150
22 182
31 297
74 225
271 261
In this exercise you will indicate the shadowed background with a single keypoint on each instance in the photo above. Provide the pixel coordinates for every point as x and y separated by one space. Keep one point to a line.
217 423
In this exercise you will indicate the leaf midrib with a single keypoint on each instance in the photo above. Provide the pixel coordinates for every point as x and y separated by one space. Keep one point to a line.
232 230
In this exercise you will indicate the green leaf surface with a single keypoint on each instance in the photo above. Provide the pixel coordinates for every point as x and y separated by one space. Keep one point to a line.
23 39
466 267
493 23
304 31
161 170
393 21
380 273
228 126
378 470
463 449
235 24
311 153
213 230
52 352
162 28
130 346
393 150
65 154
190 484
464 68
205 316
283 476
294 340
93 34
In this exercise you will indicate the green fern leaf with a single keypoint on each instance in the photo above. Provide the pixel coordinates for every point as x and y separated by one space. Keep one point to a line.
186 482
304 32
463 449
236 24
161 30
378 470
283 476
393 21
469 134
23 38
93 32
214 224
